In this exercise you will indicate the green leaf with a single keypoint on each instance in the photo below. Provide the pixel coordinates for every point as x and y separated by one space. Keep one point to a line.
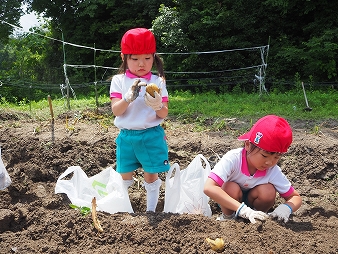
74 206
83 209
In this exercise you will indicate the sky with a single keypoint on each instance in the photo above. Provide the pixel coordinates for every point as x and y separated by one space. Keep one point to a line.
28 20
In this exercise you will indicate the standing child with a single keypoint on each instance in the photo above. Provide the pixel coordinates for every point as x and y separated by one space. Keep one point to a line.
244 182
141 141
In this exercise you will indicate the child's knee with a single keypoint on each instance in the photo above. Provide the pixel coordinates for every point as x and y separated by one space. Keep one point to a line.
267 192
233 190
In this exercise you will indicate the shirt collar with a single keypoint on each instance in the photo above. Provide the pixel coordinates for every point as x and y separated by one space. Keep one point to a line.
245 169
131 75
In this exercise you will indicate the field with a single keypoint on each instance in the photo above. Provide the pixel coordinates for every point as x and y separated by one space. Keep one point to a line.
35 220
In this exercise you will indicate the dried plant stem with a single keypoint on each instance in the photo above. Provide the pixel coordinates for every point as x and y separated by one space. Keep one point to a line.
94 216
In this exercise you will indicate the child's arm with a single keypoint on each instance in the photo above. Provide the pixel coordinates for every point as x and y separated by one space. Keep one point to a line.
118 106
294 201
214 191
163 112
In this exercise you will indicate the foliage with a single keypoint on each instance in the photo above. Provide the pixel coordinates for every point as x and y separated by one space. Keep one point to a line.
100 24
26 61
168 28
10 12
293 26
302 37
82 209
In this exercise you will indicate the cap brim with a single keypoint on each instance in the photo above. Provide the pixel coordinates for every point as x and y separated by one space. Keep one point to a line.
244 137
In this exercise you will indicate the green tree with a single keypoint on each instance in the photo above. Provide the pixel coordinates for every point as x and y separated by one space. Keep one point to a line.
303 35
10 12
26 61
95 23
201 26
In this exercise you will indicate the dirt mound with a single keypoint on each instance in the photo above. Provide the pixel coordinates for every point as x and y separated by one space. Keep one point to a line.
35 220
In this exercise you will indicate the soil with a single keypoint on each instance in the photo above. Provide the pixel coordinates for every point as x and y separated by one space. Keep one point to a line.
33 219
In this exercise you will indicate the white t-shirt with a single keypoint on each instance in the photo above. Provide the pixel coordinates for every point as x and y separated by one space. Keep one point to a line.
138 115
233 167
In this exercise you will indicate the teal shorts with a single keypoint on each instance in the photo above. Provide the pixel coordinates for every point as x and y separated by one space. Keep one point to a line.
142 148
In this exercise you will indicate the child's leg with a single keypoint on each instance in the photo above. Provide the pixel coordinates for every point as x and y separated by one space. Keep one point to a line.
234 191
152 185
262 197
127 179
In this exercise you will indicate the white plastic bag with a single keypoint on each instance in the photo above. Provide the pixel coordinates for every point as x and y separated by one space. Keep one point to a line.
172 189
106 186
5 179
184 192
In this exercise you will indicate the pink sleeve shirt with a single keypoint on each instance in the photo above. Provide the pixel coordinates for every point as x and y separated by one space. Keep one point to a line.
115 92
233 167
138 115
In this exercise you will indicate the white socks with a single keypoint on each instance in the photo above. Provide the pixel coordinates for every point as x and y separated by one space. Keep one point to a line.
153 193
152 189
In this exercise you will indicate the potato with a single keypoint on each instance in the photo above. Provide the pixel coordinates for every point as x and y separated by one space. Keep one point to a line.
151 88
217 245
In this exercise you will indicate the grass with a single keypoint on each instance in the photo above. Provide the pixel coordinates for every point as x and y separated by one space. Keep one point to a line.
204 108
40 110
290 105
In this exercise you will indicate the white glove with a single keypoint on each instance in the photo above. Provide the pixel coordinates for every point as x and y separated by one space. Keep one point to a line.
154 103
246 212
133 91
282 212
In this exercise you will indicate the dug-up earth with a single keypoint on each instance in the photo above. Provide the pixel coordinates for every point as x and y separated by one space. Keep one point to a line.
33 219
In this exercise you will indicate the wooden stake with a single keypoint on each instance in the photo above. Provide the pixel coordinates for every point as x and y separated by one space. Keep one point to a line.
52 115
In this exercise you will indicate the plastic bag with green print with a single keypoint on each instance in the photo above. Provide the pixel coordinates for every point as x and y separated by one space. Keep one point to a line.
106 186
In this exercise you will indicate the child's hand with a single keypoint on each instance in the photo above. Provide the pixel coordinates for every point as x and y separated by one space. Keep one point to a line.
282 212
134 91
154 102
247 213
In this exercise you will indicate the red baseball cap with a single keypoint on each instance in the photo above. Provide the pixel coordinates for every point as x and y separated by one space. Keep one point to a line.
138 41
270 133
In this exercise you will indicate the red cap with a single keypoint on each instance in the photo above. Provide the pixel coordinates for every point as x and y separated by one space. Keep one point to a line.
138 41
270 133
